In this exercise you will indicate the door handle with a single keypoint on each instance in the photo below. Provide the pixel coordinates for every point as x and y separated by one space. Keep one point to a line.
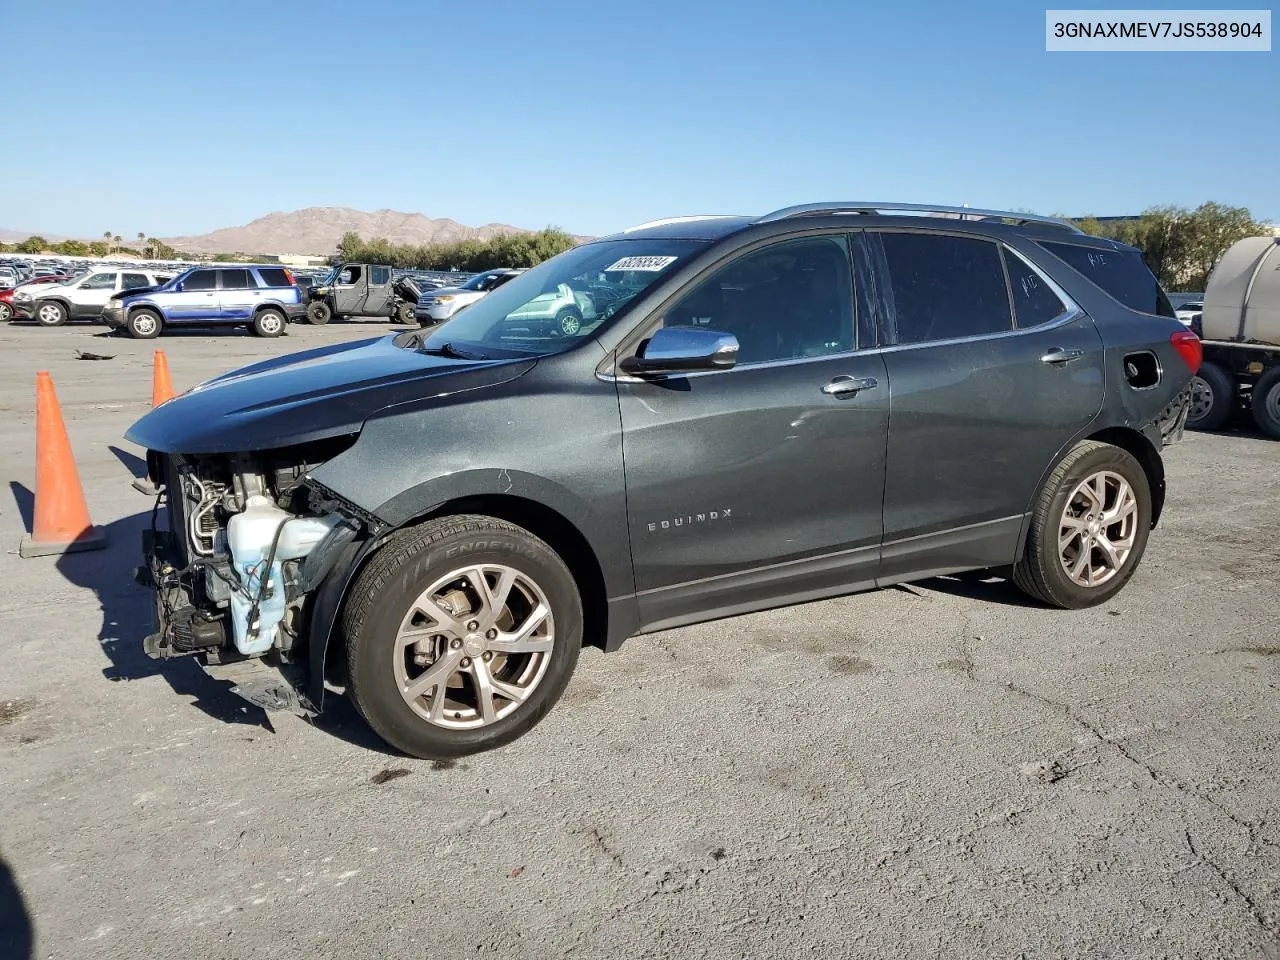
1059 355
844 386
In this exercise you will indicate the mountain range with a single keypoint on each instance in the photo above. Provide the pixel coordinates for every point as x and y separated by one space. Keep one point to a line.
312 231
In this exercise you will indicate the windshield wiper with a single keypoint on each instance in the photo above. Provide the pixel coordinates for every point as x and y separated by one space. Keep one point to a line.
449 350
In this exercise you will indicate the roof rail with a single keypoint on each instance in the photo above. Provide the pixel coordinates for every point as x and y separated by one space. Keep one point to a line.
962 213
664 222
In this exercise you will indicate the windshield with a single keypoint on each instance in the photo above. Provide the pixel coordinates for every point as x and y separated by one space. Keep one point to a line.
565 299
481 281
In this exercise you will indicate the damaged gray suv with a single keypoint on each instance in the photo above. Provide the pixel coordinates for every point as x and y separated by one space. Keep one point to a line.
752 412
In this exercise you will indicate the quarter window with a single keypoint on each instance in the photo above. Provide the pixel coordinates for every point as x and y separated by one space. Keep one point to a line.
945 287
201 280
273 277
379 275
1034 302
132 281
790 300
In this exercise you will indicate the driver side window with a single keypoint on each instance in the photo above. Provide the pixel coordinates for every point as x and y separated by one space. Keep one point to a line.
787 301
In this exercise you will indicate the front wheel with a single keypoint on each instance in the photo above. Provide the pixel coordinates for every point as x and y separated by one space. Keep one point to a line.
461 634
268 323
51 313
404 313
318 312
144 324
1266 403
1089 528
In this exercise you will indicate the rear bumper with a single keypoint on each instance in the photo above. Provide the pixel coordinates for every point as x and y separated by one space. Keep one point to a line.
295 311
1172 421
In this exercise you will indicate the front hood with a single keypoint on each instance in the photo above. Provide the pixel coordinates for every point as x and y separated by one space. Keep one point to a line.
307 396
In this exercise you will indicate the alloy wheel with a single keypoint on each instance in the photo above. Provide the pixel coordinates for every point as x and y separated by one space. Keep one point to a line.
1098 528
144 324
473 646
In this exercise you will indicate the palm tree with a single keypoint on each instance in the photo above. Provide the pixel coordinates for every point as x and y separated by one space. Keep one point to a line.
107 236
142 243
117 239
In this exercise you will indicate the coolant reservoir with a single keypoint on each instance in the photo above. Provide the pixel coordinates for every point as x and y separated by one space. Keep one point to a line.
249 535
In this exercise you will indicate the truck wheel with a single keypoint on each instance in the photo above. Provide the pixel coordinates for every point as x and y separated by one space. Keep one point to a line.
1089 528
1213 393
144 324
461 635
318 312
268 323
1266 403
404 313
51 313
569 321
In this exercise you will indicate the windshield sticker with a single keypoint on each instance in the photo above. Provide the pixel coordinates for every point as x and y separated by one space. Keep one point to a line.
641 263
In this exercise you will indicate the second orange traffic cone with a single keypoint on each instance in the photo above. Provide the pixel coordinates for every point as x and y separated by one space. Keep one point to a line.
61 522
161 385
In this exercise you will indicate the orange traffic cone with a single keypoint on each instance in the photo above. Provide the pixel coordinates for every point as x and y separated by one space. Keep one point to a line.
161 385
61 518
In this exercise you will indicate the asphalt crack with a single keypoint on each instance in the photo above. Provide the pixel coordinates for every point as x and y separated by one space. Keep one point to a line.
1265 922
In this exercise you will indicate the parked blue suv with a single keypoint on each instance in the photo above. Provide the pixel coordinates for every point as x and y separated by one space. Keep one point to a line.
262 298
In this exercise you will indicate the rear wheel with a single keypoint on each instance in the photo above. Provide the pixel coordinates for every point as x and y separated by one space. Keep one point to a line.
268 323
404 313
144 324
318 312
1266 403
51 313
461 635
1089 528
6 312
1213 393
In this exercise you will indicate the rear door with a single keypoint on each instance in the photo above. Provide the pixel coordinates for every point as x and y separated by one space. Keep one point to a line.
92 295
381 295
992 369
238 293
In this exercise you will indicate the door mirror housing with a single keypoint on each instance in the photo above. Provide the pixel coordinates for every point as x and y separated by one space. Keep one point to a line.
683 350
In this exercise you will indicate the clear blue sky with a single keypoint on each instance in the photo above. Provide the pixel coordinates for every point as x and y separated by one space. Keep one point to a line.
177 117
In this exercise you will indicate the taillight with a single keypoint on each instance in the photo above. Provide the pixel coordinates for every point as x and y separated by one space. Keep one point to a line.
1189 349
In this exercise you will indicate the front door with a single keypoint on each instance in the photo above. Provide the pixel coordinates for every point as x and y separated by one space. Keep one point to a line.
197 301
761 484
350 290
989 378
94 293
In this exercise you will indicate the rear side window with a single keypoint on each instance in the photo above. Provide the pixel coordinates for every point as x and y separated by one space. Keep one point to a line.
379 275
201 280
132 281
273 276
1034 302
236 279
100 281
1121 273
945 287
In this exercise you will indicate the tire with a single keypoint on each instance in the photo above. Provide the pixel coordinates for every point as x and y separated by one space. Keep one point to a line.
268 323
144 324
568 322
1266 403
318 312
430 558
404 313
1042 572
1213 393
6 312
51 313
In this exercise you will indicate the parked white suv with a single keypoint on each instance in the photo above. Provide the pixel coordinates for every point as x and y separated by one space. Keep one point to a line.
83 298
435 306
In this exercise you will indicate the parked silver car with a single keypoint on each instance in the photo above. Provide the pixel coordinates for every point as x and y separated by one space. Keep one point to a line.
435 306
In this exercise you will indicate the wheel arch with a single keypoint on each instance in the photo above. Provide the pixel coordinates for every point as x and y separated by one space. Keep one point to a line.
328 646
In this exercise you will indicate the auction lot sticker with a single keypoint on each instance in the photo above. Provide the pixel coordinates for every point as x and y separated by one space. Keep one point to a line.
1157 30
640 263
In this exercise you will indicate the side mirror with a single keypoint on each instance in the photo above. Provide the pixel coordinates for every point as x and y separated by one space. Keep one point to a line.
683 350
